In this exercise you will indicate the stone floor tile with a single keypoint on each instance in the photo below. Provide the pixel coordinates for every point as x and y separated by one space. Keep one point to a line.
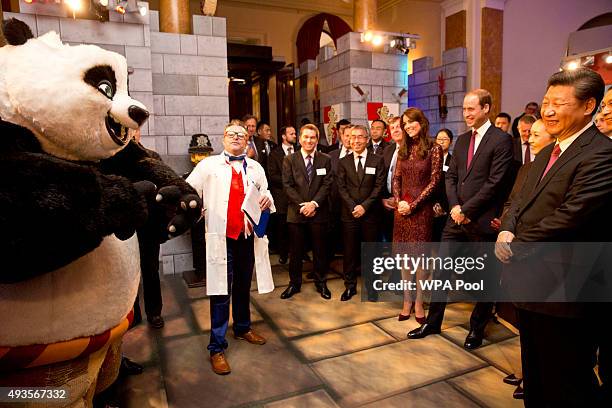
258 372
486 386
398 329
143 391
307 312
315 399
457 314
139 344
505 355
342 341
431 396
376 373
457 335
175 326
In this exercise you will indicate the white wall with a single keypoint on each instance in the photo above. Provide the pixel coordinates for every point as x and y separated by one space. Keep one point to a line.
535 40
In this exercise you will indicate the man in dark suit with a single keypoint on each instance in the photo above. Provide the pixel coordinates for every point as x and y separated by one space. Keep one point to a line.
307 178
275 179
377 143
531 108
477 185
340 126
502 121
335 226
250 124
360 179
566 198
389 161
264 144
522 153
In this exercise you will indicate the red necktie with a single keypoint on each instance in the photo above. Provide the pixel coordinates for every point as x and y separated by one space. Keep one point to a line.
471 149
527 153
553 158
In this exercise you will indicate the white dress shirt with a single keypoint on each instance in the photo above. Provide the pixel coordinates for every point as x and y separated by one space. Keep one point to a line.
363 156
286 148
481 132
567 142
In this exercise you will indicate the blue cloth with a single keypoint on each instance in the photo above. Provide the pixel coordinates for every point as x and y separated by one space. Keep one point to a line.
235 158
240 263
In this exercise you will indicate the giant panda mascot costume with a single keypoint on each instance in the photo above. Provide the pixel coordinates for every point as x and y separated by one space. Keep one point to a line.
74 188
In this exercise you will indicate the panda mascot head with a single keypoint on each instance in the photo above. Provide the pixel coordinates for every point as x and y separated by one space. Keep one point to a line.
74 99
64 111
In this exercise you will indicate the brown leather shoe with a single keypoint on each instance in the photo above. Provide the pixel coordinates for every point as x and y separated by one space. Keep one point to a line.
251 337
219 364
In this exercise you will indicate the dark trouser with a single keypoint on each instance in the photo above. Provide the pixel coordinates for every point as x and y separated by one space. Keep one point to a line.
198 247
558 355
354 233
149 269
483 311
282 235
240 263
605 351
386 231
298 232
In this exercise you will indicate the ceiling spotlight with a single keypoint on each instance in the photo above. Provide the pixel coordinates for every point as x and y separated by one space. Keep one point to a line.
608 58
377 40
73 5
589 61
104 3
572 65
367 36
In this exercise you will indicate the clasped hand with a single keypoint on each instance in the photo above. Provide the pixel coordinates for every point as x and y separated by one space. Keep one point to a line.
458 216
308 209
404 208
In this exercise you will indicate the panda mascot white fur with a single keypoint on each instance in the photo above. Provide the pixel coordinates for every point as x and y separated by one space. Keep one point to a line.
74 188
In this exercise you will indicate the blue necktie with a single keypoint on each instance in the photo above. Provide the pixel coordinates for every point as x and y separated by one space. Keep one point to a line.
309 168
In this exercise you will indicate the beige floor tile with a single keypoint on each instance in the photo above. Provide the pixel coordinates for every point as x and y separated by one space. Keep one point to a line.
139 344
258 372
431 396
315 399
398 329
307 312
342 341
486 386
201 311
175 326
506 355
380 372
144 390
457 314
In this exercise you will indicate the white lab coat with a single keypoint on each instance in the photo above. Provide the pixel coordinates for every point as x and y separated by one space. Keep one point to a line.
212 178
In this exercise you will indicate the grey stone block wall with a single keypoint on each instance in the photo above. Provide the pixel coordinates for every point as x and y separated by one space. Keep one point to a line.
423 89
380 76
182 79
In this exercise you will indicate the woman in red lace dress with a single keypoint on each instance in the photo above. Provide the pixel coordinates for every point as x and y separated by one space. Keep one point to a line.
417 174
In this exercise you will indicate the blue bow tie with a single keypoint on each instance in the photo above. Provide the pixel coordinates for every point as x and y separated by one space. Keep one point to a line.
235 158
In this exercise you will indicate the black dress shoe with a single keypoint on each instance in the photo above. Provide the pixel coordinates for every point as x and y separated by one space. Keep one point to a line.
519 393
373 296
156 322
473 340
324 291
348 294
129 367
282 260
423 331
512 380
290 291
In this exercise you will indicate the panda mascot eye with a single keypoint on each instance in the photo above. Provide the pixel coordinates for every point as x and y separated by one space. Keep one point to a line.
106 89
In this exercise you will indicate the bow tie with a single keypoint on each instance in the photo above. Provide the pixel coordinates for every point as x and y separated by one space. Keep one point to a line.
235 158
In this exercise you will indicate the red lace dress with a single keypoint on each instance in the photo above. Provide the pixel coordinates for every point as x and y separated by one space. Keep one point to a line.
415 181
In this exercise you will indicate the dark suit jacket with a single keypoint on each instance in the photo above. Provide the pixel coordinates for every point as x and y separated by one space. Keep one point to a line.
570 204
325 148
381 147
441 193
275 179
387 157
482 189
262 157
297 189
517 188
365 192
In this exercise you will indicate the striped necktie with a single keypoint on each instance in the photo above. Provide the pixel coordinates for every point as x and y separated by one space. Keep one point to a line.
309 169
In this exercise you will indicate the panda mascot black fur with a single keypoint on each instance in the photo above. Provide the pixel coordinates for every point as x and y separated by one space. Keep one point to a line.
74 188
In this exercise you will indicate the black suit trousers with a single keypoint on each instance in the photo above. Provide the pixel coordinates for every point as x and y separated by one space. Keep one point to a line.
354 233
558 355
282 235
149 268
483 311
318 234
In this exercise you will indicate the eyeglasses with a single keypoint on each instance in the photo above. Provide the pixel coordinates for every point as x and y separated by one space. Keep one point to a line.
236 135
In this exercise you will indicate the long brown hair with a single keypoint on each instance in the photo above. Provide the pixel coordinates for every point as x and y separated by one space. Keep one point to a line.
423 141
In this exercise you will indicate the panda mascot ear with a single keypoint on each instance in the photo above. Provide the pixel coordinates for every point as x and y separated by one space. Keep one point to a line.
16 31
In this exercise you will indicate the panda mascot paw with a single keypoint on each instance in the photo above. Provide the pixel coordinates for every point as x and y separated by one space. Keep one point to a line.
75 188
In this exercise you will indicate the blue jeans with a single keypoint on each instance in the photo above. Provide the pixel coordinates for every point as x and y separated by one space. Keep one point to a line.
240 263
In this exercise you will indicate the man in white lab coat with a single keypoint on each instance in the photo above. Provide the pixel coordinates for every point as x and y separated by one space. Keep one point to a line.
232 248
